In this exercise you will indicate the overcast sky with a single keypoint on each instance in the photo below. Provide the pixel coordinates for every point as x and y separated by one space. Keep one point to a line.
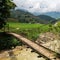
38 6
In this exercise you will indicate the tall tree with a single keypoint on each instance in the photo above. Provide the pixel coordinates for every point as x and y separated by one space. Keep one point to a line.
5 8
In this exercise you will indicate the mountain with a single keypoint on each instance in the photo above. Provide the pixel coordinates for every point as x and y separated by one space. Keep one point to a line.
47 19
26 17
53 14
58 19
23 16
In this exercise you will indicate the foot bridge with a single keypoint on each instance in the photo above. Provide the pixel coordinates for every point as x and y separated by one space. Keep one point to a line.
50 55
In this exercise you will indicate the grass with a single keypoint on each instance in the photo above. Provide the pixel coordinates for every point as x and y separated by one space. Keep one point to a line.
32 31
24 25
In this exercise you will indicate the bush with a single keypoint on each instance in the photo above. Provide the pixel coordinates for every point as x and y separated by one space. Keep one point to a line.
7 41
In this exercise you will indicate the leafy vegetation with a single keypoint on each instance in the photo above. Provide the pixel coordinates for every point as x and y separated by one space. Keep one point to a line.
32 31
28 30
5 6
7 41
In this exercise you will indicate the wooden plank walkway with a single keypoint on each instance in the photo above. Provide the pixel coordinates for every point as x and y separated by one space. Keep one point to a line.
39 49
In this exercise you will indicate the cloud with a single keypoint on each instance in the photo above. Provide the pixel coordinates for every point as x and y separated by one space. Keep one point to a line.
38 6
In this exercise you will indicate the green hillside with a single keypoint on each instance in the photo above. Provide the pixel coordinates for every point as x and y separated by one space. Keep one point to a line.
26 17
47 19
23 16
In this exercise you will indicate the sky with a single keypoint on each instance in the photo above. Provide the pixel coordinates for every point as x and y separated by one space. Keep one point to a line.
38 6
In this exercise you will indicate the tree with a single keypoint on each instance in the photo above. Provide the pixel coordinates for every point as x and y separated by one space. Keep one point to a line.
5 8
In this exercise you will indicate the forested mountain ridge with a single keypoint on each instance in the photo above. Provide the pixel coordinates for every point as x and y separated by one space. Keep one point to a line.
53 14
47 19
26 17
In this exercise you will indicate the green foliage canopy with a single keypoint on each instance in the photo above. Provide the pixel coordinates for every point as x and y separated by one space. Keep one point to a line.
5 7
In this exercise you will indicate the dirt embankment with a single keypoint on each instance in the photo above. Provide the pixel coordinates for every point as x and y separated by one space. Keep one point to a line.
47 37
50 41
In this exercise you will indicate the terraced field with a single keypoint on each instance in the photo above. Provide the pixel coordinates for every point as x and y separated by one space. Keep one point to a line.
30 31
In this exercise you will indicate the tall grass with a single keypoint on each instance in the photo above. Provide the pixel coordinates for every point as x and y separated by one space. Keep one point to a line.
32 31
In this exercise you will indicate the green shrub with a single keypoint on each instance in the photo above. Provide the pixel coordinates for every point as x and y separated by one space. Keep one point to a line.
7 41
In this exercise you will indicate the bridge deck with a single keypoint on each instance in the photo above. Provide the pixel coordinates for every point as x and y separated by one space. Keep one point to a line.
39 49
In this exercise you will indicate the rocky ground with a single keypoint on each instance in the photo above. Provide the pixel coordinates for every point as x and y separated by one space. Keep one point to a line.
20 53
53 45
50 40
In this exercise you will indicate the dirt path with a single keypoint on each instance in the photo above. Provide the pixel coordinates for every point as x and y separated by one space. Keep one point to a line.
36 47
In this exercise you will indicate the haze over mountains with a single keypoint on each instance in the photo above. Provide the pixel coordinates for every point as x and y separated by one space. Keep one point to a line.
37 7
52 14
